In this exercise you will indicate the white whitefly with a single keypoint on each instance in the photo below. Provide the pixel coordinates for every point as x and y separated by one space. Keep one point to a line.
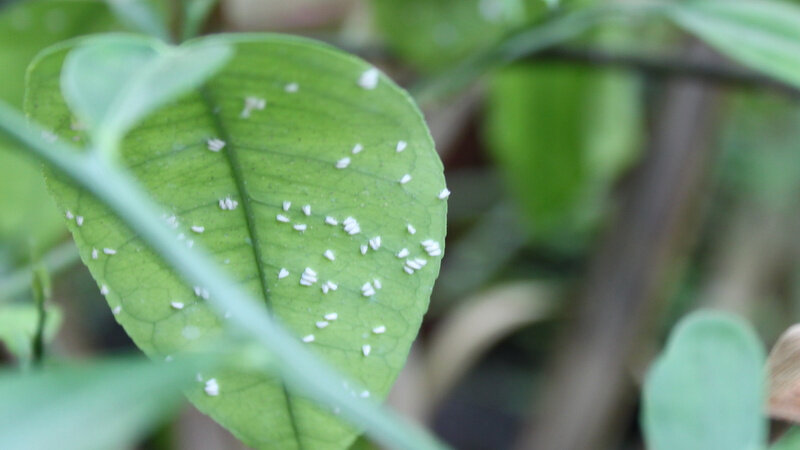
405 179
444 194
331 316
403 253
308 338
300 227
286 205
366 349
411 229
331 221
380 329
282 218
322 324
94 253
357 149
292 88
283 273
79 220
104 290
329 254
198 228
401 145
307 210
109 251
369 79
215 144
343 163
177 305
212 387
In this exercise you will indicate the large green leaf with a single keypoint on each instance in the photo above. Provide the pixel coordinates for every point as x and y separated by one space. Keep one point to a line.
90 407
759 33
25 29
290 113
706 392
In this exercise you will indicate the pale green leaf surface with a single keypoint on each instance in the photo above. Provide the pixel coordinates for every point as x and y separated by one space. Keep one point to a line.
762 34
112 84
18 322
287 151
92 407
706 392
25 29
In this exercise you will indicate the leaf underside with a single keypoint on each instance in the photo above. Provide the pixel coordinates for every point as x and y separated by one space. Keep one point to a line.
316 111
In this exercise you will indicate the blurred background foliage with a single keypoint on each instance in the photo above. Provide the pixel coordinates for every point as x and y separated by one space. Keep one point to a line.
622 157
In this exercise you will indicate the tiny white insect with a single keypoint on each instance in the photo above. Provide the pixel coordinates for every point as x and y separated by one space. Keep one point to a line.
351 226
69 215
444 194
375 242
325 288
94 253
331 316
357 149
369 79
406 178
332 285
364 394
201 292
215 144
292 88
117 309
436 252
377 283
212 387
331 221
79 220
198 228
380 329
300 227
322 324
252 103
367 290
343 163
413 264
308 338
286 205
366 349
109 251
228 204
401 145
403 253
177 305
329 254
282 218
411 229
104 290
283 273
408 270
307 210
364 249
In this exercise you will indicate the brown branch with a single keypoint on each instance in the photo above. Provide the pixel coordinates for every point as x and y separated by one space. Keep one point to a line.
703 69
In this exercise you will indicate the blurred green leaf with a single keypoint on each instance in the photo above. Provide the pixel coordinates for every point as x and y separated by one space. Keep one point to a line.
195 14
18 325
25 29
111 83
707 390
433 34
95 406
147 16
289 111
762 34
560 136
789 441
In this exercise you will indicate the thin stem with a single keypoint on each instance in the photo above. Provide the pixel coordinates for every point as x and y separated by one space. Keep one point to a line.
298 367
55 261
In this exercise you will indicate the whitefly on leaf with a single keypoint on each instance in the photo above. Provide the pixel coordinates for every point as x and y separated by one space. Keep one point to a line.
284 168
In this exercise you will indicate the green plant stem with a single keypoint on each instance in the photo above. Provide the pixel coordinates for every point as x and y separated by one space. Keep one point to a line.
298 367
56 260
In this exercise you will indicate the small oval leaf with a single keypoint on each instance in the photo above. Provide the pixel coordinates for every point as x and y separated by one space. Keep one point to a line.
312 179
706 391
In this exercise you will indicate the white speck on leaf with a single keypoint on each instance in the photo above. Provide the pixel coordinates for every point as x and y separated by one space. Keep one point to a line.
369 79
401 145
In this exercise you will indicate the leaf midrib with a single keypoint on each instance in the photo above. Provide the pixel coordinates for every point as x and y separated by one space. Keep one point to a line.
238 175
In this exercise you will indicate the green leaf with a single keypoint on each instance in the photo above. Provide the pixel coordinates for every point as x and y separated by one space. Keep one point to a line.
433 34
112 83
707 390
544 129
315 112
762 34
789 441
18 322
147 16
25 29
195 13
90 407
